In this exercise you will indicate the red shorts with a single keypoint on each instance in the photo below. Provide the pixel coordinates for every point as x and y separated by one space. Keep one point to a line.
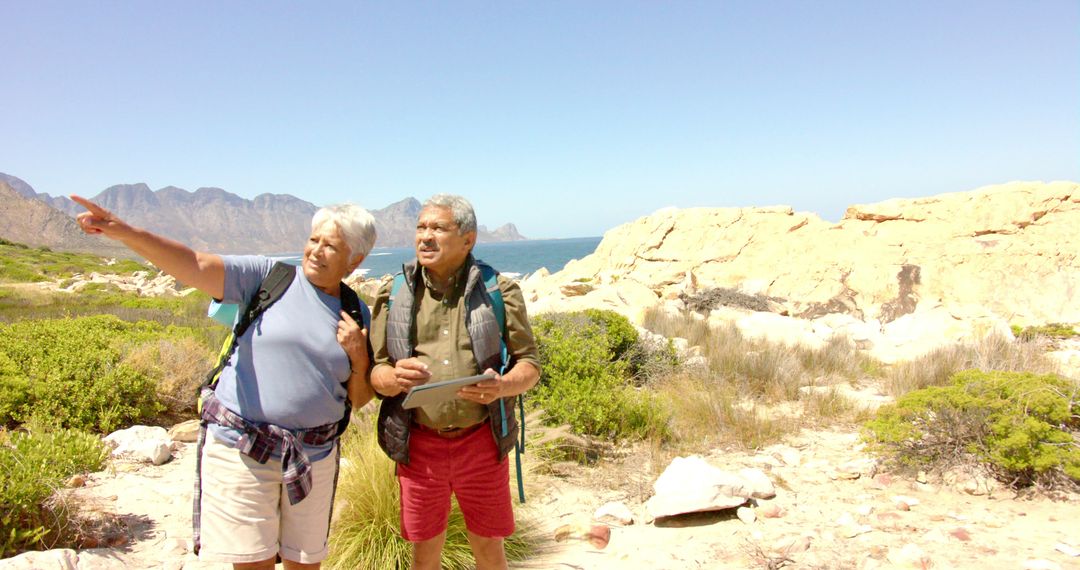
468 467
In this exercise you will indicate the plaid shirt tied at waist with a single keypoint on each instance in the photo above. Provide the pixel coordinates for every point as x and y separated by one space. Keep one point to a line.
258 441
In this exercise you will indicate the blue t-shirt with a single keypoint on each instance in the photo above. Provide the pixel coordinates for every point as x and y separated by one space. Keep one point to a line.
288 368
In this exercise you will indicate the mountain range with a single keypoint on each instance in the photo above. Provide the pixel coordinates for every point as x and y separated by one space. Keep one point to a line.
208 219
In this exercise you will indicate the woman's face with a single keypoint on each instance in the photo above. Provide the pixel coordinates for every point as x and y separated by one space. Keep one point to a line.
327 258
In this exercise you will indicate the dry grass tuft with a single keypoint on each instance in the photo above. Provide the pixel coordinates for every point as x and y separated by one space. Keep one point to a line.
994 352
179 366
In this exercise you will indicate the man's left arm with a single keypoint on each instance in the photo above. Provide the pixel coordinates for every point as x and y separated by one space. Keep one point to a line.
524 372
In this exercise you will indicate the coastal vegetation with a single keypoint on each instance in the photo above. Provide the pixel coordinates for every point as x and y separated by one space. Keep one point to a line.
1020 425
74 366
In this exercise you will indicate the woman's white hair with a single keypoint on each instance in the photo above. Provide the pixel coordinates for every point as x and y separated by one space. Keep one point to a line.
356 225
460 209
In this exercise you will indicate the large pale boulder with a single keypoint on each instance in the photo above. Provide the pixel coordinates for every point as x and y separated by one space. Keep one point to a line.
990 257
150 444
58 559
691 485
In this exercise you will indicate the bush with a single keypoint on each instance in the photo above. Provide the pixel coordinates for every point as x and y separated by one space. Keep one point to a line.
1021 425
32 466
365 532
24 264
586 384
69 372
1050 330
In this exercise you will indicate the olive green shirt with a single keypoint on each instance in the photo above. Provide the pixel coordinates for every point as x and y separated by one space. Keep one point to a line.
441 341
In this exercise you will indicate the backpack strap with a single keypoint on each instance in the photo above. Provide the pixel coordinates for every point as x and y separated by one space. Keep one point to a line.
350 303
271 289
491 283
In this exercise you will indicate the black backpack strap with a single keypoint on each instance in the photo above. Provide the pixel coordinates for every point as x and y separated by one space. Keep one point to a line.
271 289
350 303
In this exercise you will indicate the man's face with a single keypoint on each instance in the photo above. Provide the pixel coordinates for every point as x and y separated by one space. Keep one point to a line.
439 245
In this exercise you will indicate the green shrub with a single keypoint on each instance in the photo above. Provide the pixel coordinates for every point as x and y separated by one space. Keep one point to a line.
366 528
1022 425
586 384
70 372
32 466
1050 330
24 264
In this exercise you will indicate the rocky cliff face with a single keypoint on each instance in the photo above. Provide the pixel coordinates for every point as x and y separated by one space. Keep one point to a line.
212 219
1000 254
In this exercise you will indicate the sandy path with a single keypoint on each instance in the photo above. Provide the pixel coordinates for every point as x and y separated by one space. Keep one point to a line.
946 529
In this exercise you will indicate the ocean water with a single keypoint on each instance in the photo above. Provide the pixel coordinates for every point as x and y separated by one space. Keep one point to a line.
513 258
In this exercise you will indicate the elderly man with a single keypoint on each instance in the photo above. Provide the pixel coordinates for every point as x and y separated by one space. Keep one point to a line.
439 325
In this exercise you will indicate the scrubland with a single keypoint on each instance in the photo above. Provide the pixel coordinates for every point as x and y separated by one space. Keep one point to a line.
76 366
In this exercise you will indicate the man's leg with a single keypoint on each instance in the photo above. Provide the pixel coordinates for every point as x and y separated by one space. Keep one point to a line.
425 498
489 552
427 554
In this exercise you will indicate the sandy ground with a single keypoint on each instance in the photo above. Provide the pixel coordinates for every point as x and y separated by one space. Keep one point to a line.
829 520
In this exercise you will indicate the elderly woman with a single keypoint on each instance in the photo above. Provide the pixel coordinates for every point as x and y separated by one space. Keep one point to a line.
269 459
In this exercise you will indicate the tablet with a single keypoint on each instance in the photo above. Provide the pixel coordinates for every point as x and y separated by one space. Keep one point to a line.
436 392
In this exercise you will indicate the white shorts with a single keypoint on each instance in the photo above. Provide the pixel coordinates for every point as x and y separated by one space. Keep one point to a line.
245 510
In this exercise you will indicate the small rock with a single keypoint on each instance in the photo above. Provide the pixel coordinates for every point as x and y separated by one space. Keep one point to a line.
935 536
961 534
1066 549
865 510
187 432
901 506
761 487
746 515
910 556
76 481
614 512
881 481
845 520
790 456
905 500
598 535
59 558
921 477
770 511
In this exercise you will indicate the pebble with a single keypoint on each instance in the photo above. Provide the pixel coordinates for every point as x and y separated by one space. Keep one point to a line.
746 515
1066 549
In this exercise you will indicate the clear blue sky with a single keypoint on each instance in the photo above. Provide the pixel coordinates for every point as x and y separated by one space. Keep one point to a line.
568 118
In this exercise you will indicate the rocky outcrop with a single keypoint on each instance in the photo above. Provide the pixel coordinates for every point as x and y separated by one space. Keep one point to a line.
963 262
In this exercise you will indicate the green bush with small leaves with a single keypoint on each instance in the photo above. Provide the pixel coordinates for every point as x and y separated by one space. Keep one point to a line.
33 465
1022 425
1050 330
70 372
586 382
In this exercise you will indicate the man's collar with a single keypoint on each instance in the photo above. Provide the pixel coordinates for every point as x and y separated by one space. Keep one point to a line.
455 282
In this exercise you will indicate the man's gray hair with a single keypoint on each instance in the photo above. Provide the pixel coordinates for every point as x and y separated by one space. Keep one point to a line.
460 209
356 225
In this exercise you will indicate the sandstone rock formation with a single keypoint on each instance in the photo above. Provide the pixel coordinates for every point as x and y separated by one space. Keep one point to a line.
953 265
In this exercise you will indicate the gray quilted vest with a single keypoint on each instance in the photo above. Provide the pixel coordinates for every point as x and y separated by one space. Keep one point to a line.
394 420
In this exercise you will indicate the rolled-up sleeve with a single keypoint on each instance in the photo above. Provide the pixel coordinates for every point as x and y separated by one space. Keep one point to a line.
377 337
520 342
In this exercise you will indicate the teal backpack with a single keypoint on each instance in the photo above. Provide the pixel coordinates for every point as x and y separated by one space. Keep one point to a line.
491 283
